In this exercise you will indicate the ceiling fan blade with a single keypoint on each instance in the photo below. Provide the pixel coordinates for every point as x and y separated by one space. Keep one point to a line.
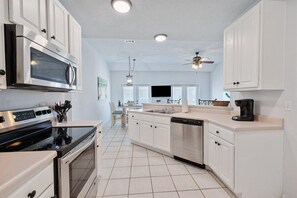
207 62
187 64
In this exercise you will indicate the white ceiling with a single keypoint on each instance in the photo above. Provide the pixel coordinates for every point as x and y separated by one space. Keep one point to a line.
191 25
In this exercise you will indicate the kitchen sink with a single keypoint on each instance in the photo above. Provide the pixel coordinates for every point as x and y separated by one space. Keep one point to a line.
161 111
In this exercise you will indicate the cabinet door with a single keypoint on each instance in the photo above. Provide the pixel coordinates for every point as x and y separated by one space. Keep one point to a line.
213 153
75 47
49 192
134 129
58 24
226 155
162 137
146 133
29 13
2 52
230 69
248 67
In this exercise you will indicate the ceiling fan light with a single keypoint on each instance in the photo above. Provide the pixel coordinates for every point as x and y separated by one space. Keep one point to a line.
194 66
200 65
160 37
121 6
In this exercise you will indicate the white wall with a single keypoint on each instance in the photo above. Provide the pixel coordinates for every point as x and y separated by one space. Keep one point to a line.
160 78
273 102
86 105
217 83
17 99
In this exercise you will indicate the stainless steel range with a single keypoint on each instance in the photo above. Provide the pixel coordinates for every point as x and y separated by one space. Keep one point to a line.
75 164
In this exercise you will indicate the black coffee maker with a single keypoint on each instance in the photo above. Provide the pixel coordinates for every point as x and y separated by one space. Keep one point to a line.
246 110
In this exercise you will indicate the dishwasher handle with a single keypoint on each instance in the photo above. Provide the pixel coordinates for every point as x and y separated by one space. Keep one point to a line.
187 121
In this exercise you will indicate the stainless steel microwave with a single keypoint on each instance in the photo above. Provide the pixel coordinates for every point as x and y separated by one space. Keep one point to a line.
32 62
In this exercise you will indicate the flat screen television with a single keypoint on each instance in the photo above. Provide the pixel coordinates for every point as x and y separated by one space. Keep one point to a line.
161 91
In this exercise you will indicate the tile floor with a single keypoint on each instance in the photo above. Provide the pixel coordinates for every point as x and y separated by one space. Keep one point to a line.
130 171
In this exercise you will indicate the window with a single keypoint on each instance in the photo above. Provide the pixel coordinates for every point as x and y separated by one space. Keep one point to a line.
192 95
128 93
143 94
177 93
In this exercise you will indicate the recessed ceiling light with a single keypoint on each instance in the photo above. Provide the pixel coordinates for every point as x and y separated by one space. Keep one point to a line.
121 6
160 37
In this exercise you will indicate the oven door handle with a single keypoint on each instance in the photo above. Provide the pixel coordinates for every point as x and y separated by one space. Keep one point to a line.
78 149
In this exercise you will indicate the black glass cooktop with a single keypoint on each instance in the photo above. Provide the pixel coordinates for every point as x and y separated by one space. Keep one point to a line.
42 137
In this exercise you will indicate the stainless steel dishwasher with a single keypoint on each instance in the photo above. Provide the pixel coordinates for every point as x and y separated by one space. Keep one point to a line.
187 140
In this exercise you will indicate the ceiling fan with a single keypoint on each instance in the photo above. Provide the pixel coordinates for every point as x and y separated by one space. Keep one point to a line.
197 61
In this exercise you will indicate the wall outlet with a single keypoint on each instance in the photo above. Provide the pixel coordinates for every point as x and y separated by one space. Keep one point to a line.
288 105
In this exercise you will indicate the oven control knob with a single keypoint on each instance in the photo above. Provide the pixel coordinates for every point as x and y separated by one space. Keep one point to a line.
2 119
38 113
2 72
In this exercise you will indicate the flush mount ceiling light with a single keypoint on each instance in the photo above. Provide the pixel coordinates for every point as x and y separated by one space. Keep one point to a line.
160 37
121 6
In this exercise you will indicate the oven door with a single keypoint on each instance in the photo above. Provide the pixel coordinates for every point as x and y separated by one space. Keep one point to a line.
39 66
77 170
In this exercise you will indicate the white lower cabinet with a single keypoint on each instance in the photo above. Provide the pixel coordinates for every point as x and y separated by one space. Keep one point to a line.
149 130
99 149
248 162
134 129
146 133
162 137
221 159
40 185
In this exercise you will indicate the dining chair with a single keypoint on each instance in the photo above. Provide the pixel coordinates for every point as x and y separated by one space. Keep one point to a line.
115 114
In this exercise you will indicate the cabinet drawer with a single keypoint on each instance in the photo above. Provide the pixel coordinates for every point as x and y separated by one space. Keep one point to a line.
221 132
162 120
147 118
133 115
38 183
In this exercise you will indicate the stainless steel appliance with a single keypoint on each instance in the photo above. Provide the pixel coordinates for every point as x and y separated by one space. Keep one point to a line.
33 62
76 161
187 140
246 110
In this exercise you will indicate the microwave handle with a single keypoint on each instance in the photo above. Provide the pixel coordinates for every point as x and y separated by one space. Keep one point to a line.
79 149
73 75
68 74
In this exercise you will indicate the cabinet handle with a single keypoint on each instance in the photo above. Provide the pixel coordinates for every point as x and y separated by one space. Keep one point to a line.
155 127
100 132
219 144
217 132
136 122
133 116
216 142
97 146
32 194
43 30
2 72
234 83
151 125
53 37
237 83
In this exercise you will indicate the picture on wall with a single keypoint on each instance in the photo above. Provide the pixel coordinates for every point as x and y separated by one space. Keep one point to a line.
102 88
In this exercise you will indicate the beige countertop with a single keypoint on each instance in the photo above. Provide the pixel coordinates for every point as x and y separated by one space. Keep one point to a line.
17 167
78 123
261 123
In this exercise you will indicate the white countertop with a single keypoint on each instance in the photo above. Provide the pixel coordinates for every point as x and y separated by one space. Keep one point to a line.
262 123
17 167
78 123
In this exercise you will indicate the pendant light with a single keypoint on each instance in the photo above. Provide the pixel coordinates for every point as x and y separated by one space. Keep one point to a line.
121 6
129 76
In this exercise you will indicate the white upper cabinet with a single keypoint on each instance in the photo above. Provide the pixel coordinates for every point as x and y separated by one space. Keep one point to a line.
2 52
58 24
75 47
254 49
32 14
